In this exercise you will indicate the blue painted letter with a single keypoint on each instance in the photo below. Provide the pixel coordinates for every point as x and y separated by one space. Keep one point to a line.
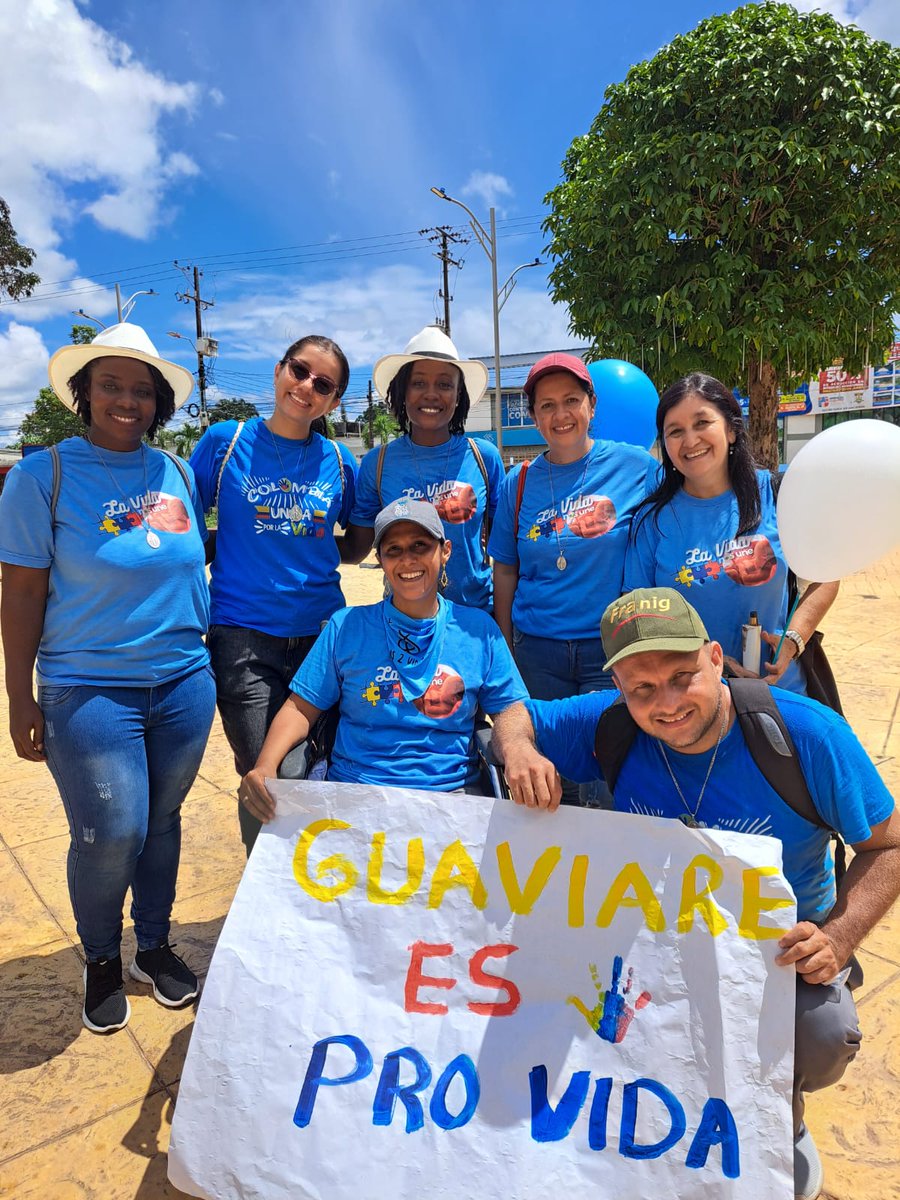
627 1145
716 1128
390 1089
314 1076
547 1124
599 1113
463 1066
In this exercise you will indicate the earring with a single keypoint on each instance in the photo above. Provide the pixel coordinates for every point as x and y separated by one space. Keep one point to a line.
444 581
731 450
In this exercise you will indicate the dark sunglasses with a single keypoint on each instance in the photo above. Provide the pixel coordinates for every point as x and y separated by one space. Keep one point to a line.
321 383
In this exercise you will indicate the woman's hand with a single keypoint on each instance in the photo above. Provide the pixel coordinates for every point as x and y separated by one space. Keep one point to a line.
786 655
254 795
26 728
738 669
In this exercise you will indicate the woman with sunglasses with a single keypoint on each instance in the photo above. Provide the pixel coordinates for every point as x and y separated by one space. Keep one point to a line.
430 390
279 486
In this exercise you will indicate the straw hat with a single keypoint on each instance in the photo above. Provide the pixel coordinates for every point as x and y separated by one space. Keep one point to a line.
431 342
118 341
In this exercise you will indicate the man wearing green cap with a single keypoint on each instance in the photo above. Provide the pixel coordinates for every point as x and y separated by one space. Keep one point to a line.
690 760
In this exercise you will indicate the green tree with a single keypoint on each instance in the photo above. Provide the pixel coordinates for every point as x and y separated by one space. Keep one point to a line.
49 422
380 426
735 207
232 408
15 259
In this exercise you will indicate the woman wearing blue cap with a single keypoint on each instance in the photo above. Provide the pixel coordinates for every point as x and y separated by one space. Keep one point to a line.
408 674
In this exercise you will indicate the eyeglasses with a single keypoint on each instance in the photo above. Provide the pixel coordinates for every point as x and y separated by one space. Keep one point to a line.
320 383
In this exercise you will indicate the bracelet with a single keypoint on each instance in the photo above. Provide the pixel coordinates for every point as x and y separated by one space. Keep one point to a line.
798 640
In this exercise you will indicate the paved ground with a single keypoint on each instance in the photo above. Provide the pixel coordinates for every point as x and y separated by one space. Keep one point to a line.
87 1118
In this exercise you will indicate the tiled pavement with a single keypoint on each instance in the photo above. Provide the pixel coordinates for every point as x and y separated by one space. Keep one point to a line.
87 1118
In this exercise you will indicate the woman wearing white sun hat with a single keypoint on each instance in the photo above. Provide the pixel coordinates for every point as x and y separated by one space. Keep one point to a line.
430 390
101 544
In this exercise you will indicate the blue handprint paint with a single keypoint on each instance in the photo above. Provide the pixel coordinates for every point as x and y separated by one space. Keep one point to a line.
612 1015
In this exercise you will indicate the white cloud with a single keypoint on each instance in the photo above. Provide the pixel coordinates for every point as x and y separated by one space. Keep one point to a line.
23 372
487 187
81 133
878 18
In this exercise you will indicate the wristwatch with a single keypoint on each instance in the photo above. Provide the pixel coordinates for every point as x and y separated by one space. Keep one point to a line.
793 636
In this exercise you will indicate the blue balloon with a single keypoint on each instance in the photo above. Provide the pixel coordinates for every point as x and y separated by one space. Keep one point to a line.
626 403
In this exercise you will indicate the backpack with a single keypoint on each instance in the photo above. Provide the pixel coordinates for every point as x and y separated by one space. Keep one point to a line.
768 740
56 481
486 524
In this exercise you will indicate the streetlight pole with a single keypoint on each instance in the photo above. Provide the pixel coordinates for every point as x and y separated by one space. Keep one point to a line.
488 243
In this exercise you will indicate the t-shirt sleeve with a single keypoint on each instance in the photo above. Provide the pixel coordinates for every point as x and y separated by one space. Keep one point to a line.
496 476
564 732
196 501
317 679
366 505
206 462
503 684
502 544
26 532
351 471
640 553
845 785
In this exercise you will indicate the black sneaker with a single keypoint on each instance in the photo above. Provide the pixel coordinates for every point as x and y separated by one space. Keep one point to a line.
106 1006
174 983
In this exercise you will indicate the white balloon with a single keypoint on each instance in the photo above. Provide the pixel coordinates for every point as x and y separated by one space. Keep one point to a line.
839 501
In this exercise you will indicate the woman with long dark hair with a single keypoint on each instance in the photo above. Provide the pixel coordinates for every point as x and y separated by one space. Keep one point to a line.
709 530
280 487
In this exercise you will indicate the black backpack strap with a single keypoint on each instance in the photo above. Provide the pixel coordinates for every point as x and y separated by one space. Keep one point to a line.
55 482
379 471
520 492
486 523
613 738
180 467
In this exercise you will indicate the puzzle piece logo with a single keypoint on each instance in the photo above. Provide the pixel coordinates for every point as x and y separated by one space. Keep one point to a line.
382 692
612 1015
685 576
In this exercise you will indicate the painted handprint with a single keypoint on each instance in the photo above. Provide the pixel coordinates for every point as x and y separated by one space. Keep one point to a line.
612 1014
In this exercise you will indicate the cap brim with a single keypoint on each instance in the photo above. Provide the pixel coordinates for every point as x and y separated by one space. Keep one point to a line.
474 373
68 360
679 645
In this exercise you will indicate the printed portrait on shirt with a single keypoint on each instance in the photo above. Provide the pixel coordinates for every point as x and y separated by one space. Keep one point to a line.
443 695
457 504
751 562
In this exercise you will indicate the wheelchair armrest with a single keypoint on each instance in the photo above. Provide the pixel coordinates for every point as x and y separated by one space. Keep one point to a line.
491 765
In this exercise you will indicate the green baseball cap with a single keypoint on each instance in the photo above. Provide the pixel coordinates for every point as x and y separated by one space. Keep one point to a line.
650 619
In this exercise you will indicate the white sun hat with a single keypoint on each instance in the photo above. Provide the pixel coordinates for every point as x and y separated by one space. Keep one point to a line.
118 341
431 342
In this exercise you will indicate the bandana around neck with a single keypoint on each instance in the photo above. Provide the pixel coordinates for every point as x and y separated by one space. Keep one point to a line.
414 646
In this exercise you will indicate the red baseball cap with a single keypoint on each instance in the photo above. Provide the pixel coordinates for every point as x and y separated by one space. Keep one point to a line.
557 362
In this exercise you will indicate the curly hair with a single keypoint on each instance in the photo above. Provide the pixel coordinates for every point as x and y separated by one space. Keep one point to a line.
80 387
396 398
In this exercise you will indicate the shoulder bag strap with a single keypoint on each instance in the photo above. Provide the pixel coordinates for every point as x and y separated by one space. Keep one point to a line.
228 453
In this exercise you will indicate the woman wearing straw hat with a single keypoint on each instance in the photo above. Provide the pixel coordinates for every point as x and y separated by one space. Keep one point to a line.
101 544
430 390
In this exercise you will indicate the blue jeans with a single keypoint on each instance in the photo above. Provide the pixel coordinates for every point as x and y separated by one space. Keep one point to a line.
553 670
253 672
123 759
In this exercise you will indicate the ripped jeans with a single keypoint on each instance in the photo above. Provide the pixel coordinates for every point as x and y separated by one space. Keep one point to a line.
123 759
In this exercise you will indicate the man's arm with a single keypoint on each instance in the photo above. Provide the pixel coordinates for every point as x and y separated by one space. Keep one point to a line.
533 780
23 601
867 891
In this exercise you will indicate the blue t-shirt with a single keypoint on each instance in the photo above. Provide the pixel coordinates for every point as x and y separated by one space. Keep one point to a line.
725 578
385 737
581 513
845 787
119 613
276 564
448 476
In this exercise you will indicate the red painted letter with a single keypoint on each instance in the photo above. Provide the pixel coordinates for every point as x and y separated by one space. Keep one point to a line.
482 979
415 979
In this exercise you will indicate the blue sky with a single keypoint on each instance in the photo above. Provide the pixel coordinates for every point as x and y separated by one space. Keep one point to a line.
288 149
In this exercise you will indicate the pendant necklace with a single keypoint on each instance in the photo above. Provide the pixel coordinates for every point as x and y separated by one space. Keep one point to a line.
152 537
687 817
561 562
295 512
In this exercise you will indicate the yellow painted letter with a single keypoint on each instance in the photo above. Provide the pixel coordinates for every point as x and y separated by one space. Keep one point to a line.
456 869
522 900
754 904
577 880
415 869
702 900
342 866
644 898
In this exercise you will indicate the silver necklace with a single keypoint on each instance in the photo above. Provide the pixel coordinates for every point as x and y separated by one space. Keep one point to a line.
561 562
687 817
295 512
151 535
415 457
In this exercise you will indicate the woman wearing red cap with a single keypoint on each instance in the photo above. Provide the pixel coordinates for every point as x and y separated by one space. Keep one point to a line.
560 535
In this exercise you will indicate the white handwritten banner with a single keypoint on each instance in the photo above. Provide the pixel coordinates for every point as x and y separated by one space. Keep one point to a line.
419 995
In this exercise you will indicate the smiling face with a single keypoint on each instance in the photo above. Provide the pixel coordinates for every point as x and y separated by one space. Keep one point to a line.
675 696
412 561
122 402
697 438
299 403
432 393
562 411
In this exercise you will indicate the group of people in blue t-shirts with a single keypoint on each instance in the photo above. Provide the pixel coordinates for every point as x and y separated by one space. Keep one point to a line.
495 588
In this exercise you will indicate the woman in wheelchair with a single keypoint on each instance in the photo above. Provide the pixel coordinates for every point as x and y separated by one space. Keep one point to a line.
408 675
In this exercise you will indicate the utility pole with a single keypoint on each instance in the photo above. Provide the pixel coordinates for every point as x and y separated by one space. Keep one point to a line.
445 234
371 416
199 305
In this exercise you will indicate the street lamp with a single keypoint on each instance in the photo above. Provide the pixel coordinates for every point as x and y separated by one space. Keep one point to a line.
199 350
507 289
488 243
124 310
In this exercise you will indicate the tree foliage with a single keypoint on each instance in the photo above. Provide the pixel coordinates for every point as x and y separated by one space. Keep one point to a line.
232 408
735 207
380 425
15 259
49 422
